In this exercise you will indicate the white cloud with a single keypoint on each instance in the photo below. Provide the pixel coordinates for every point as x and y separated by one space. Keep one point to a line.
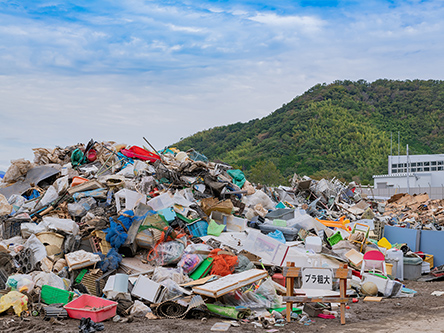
167 71
308 24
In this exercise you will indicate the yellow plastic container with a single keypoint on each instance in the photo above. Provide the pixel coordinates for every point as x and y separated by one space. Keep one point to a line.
389 268
429 258
383 242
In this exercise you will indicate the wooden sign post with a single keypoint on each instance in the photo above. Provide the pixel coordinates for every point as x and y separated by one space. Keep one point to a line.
291 272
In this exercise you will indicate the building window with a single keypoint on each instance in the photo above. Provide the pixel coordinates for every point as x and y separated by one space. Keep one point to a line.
433 168
413 164
394 166
440 168
426 163
426 169
420 164
413 169
433 162
419 169
440 162
395 170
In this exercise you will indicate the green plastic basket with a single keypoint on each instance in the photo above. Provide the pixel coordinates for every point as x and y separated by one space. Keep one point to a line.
51 295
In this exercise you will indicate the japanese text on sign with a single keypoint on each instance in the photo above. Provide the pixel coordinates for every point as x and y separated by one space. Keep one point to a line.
317 278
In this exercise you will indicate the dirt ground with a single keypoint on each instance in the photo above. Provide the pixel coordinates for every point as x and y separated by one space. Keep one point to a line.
422 312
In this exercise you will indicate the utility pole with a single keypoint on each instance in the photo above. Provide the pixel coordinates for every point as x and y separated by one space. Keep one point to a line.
408 171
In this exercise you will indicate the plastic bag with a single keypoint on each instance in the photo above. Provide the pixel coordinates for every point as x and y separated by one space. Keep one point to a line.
17 169
5 207
268 292
215 229
68 226
139 309
61 184
49 279
167 253
37 248
28 229
20 282
175 274
259 197
16 200
193 248
16 300
50 196
173 289
79 209
189 262
278 235
243 264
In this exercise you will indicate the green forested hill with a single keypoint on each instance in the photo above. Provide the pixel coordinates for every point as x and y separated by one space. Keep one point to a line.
340 129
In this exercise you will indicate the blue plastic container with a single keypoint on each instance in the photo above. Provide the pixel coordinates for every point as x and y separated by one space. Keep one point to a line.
198 228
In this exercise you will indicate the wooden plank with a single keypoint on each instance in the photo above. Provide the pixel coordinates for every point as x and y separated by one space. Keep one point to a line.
291 271
289 283
305 299
342 273
342 290
372 299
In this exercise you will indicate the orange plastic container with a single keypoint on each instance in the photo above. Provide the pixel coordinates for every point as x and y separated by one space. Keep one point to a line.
88 306
78 180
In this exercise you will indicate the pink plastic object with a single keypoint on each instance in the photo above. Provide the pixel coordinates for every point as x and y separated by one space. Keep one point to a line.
372 260
326 316
88 306
140 153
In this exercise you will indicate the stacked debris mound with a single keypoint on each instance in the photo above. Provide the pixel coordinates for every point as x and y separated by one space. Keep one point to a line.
418 210
132 232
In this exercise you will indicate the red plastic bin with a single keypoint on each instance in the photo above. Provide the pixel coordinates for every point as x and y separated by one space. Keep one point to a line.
88 306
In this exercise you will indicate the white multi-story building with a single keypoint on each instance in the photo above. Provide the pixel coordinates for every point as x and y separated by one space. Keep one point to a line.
425 171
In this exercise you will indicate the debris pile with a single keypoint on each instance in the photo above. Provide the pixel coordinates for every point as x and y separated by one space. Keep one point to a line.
130 232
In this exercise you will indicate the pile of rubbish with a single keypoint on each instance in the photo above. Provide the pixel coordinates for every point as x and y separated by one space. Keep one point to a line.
415 211
131 232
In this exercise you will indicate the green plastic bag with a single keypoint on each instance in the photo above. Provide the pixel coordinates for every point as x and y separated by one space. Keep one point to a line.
215 229
238 177
77 158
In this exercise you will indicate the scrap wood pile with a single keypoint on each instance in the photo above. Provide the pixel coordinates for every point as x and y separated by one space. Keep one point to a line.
132 232
417 210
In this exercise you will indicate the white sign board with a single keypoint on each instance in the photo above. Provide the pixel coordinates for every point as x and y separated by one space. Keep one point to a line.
317 278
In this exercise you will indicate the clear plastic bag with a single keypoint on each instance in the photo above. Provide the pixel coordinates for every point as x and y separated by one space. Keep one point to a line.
173 289
167 253
268 292
139 309
20 282
190 262
175 274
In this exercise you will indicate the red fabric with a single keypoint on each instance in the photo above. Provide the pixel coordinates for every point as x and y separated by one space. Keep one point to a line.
223 264
140 153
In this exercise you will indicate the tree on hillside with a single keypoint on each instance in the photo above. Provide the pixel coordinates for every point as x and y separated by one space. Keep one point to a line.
266 173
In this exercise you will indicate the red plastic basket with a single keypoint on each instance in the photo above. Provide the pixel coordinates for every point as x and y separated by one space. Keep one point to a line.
88 306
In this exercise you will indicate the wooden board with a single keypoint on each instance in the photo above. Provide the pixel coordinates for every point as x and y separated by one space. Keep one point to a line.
230 283
372 299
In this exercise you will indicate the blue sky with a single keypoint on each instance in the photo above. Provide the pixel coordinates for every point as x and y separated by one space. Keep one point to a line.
120 70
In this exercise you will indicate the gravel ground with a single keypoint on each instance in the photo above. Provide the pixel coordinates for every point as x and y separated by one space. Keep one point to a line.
422 312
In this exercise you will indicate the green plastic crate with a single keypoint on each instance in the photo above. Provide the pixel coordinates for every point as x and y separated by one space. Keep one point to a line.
336 238
51 295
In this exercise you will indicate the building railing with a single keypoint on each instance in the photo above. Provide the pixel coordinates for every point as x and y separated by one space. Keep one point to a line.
433 192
